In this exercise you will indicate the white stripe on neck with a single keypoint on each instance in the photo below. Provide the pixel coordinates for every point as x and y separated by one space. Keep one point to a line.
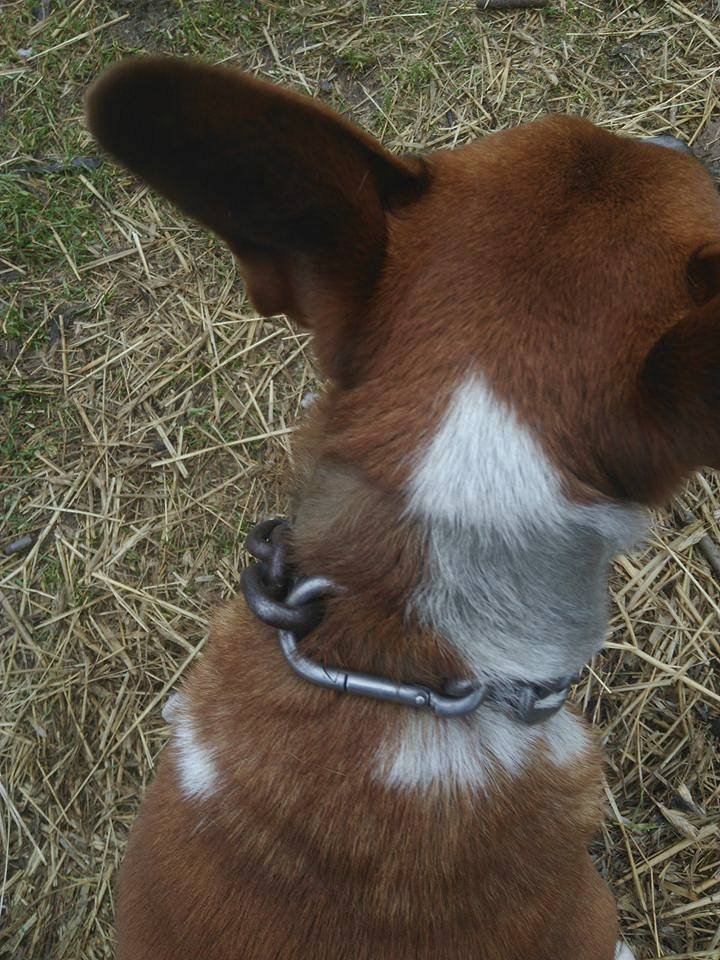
484 469
516 571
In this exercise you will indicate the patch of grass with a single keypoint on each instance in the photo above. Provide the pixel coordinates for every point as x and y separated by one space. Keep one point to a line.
357 59
418 73
209 29
466 46
40 219
18 454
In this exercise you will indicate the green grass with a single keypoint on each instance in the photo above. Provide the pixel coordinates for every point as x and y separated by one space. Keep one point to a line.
39 217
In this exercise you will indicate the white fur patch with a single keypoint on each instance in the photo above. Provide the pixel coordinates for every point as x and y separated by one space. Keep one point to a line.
516 584
566 738
516 571
473 753
193 759
170 707
623 952
483 467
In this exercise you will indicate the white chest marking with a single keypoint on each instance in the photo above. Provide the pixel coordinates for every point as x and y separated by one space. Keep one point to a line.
476 753
193 759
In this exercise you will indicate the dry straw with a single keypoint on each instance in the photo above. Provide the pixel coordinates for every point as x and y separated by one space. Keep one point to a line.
146 419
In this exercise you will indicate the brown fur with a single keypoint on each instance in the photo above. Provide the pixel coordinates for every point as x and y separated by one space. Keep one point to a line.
303 855
579 272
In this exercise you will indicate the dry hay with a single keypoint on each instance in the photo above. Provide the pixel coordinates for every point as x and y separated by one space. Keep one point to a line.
146 414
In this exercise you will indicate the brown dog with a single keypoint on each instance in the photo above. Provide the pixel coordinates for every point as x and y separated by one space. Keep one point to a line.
523 343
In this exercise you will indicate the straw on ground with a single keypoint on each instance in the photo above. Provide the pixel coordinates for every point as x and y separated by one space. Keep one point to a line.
146 415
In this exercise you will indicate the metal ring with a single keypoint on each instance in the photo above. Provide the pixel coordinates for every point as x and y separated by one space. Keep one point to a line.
308 589
276 567
299 619
258 542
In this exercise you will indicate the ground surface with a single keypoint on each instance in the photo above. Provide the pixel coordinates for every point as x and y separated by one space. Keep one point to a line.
145 414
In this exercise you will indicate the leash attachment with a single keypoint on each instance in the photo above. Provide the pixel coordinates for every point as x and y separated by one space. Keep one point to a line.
366 684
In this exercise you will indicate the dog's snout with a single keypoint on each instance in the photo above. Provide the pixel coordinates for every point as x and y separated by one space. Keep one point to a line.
672 143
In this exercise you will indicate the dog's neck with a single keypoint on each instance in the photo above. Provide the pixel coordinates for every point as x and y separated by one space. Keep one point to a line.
484 553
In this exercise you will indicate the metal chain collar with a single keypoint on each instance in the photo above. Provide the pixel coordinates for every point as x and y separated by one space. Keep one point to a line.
294 606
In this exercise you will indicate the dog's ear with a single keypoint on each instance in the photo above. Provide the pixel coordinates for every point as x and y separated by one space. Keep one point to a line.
680 380
298 193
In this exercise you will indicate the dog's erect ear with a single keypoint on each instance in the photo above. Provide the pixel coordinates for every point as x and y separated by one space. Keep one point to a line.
681 374
298 193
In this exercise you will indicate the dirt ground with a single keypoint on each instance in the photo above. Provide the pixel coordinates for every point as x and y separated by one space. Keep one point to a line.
146 414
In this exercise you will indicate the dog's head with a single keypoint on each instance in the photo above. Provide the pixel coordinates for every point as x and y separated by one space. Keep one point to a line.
574 272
